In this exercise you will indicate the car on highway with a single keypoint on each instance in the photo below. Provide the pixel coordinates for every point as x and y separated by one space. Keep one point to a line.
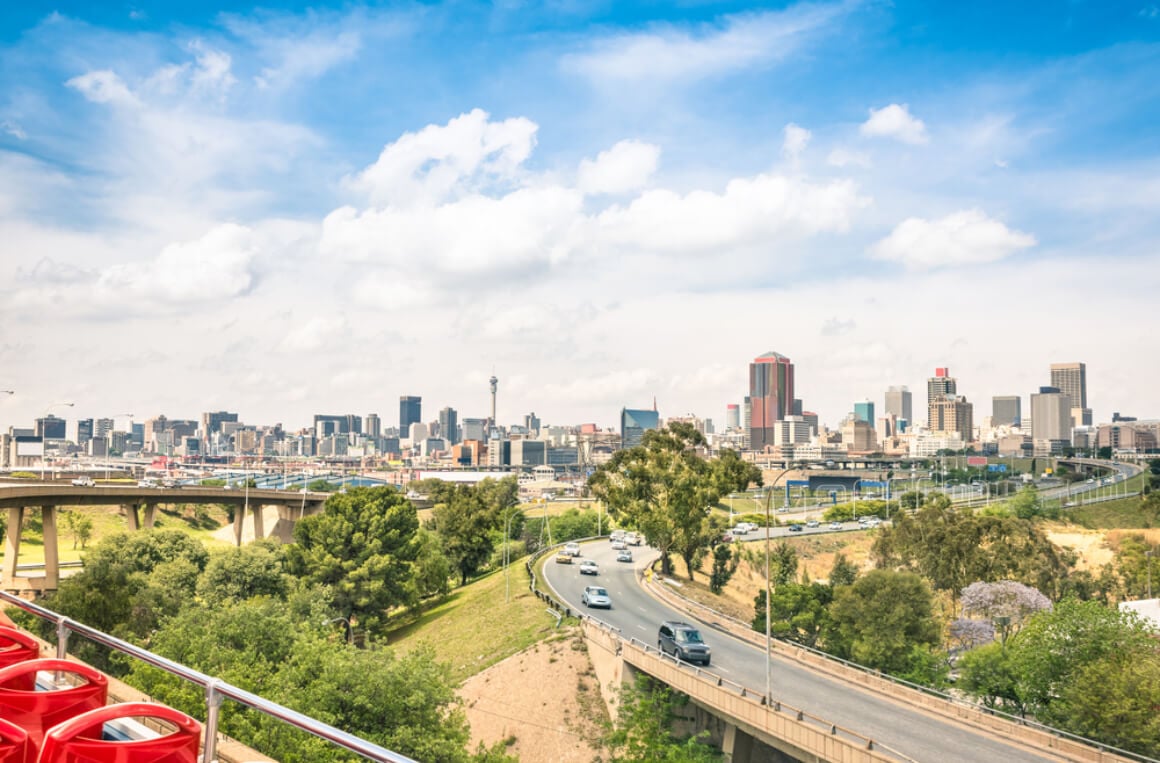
563 558
146 483
624 556
618 545
813 523
683 641
633 539
741 528
835 525
84 482
796 528
616 535
588 567
595 596
571 549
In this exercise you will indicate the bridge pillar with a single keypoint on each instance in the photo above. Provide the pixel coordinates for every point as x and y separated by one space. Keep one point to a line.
737 746
259 521
130 510
51 550
150 515
239 519
12 544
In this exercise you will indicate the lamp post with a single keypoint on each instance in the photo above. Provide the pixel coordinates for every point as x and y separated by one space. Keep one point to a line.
769 594
507 546
43 439
349 628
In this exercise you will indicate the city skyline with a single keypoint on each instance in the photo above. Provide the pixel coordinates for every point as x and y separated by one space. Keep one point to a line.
282 212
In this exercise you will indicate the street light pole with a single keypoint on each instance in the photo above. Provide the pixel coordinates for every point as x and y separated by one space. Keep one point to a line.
769 593
507 545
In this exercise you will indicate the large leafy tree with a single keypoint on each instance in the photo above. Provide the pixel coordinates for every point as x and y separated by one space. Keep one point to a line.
466 518
885 620
664 488
363 547
643 732
237 574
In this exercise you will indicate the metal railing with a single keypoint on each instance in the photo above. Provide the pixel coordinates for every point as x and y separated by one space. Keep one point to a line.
215 689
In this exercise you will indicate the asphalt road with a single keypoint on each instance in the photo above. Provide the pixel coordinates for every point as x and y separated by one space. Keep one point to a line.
897 726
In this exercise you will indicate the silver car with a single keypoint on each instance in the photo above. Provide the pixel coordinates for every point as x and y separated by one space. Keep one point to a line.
595 596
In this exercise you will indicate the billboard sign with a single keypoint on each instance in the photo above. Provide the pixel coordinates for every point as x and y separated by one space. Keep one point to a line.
997 468
976 460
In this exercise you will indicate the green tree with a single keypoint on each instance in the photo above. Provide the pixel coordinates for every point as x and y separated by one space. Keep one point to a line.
1115 700
643 732
664 488
79 526
320 486
985 672
1055 646
843 572
237 574
572 524
1026 504
783 563
724 565
432 574
467 517
885 621
363 547
797 611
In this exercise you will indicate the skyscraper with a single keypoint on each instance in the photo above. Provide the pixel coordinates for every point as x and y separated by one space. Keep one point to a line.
410 412
633 424
771 395
732 417
50 428
898 403
494 384
84 431
374 426
1006 410
864 411
449 425
953 415
1071 380
938 388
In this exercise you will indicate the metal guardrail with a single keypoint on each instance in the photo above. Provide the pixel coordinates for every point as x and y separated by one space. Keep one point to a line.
957 701
215 689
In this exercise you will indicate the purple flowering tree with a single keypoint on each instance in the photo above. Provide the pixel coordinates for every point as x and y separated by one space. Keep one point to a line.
1014 602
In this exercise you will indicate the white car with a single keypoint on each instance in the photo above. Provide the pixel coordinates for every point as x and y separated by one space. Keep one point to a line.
835 525
572 549
618 545
83 482
742 528
595 596
588 567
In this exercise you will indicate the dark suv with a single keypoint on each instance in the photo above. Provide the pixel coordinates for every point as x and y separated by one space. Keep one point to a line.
683 641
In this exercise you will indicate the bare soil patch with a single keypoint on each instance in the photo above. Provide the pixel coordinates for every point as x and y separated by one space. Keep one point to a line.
544 702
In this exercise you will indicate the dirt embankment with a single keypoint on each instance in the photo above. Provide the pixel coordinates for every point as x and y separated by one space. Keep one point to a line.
544 702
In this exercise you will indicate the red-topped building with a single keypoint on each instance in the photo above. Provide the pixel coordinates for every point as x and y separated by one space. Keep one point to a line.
771 396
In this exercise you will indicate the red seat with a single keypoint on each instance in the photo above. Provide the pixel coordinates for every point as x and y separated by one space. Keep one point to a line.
16 646
79 740
14 746
38 711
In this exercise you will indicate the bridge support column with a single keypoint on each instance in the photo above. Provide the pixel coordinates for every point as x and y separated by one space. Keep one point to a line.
150 515
12 544
239 520
737 746
51 550
259 522
130 510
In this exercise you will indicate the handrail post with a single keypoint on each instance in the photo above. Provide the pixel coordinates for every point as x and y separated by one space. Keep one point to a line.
213 704
62 632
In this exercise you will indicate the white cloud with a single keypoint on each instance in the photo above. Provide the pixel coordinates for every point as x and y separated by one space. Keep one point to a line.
672 53
626 166
13 129
315 333
842 157
468 152
761 209
103 86
967 237
795 141
895 121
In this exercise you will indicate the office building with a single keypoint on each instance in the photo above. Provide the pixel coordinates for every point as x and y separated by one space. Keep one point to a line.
84 431
732 417
1071 380
634 423
449 425
792 430
858 434
374 426
952 415
410 412
104 427
527 453
211 422
1051 417
50 428
1006 410
532 423
898 403
747 420
865 411
939 387
771 396
474 429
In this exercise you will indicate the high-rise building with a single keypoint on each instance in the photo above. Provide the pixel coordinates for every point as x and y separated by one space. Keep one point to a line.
792 430
374 426
449 425
474 429
493 383
104 427
797 407
50 428
938 388
898 403
410 412
1071 380
732 417
211 422
858 434
532 423
864 411
84 431
1051 417
952 415
771 395
1006 410
633 424
747 419
353 424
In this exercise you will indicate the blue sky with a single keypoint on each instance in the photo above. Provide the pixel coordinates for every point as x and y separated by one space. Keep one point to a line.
300 208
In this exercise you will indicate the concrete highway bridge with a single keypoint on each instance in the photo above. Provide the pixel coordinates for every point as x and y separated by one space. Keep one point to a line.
818 709
139 504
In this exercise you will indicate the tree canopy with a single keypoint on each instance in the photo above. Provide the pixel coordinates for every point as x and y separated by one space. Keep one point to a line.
664 488
467 518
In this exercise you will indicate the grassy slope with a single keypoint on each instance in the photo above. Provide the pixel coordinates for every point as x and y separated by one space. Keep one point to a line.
475 627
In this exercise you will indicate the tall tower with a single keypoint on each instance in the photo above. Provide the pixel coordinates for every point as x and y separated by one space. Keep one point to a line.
771 395
939 387
1071 380
494 382
898 403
